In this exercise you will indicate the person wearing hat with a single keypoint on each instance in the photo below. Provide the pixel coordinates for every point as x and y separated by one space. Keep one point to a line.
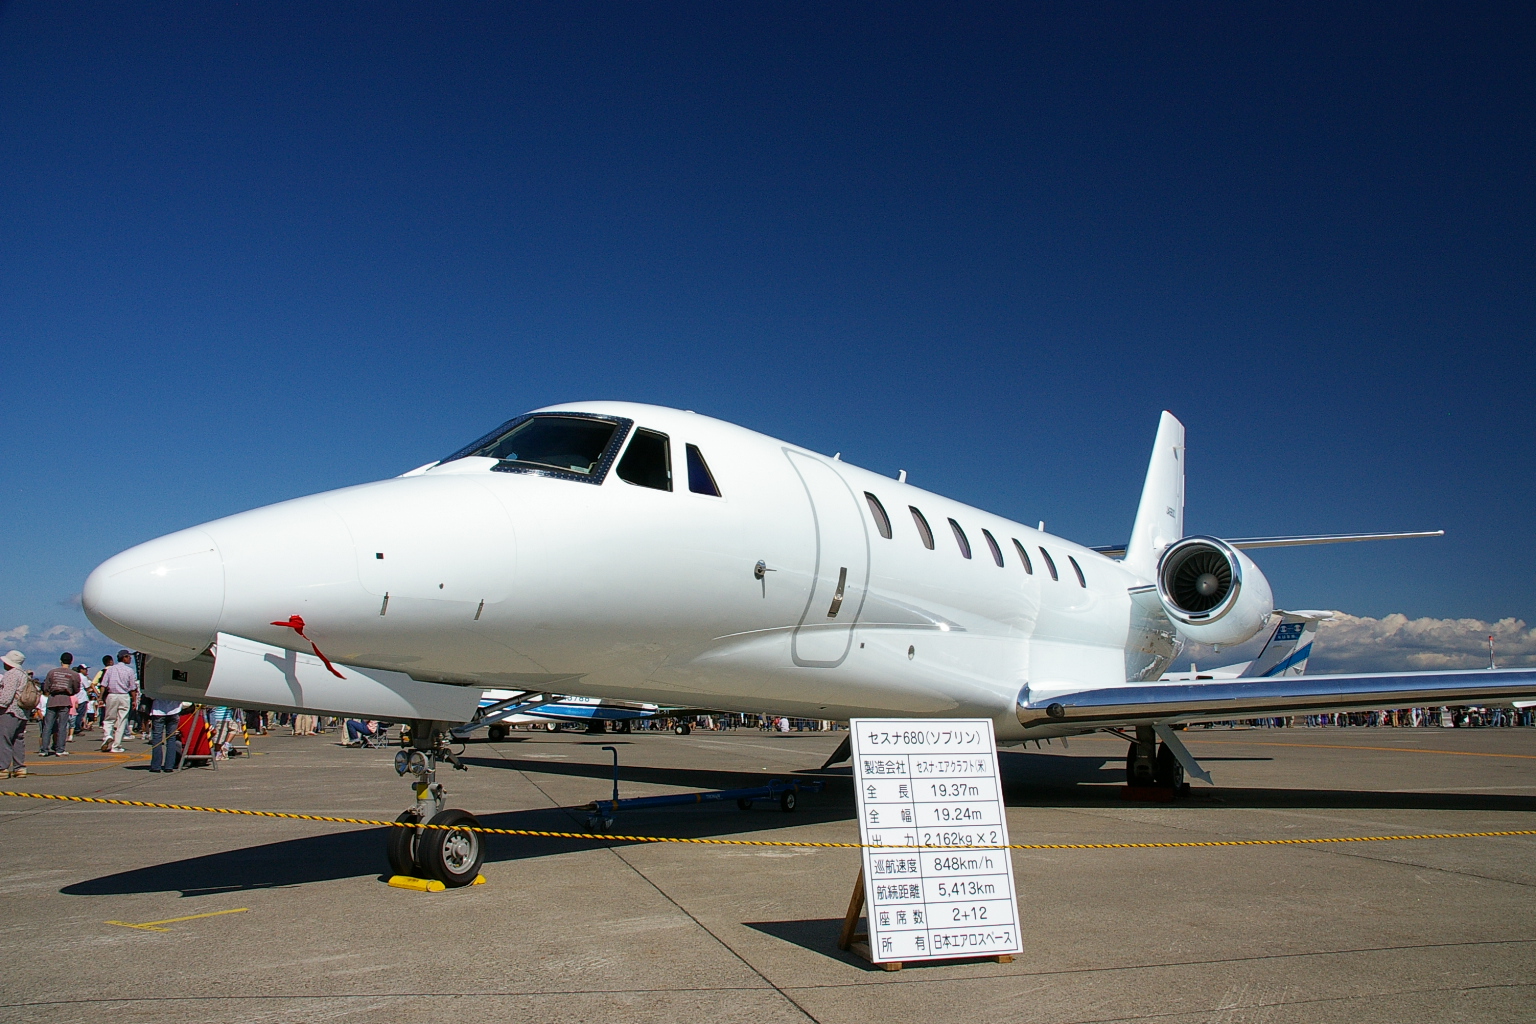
13 720
122 686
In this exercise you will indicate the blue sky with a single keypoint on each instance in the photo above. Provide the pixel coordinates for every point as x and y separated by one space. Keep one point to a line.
257 251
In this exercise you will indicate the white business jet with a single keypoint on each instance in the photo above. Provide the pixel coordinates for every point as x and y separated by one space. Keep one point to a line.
635 553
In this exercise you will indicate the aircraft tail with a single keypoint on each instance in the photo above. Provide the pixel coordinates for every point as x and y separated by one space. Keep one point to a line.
1288 648
1160 516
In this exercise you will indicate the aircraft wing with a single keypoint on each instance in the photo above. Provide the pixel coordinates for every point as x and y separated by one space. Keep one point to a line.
1222 699
1253 543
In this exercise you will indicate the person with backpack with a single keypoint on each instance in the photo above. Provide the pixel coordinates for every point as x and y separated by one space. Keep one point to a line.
61 685
19 697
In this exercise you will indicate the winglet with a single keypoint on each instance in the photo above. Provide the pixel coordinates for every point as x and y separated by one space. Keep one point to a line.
1160 517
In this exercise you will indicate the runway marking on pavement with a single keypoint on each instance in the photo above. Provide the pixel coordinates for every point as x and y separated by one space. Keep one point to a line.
607 837
116 761
154 926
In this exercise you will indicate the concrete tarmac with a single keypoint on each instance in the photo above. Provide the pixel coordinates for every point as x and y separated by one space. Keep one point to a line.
301 926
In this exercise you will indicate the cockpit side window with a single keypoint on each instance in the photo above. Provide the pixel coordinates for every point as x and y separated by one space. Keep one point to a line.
700 479
1081 581
1049 564
882 521
572 446
648 461
961 539
922 527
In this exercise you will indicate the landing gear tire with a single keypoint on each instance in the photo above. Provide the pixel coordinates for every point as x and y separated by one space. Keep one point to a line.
552 726
1169 771
621 727
1131 778
451 856
496 733
682 729
744 804
787 801
402 845
1166 769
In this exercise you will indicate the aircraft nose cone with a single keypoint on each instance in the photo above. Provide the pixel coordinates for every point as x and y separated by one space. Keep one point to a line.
164 597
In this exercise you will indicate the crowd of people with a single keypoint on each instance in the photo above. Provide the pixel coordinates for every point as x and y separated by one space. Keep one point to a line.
71 700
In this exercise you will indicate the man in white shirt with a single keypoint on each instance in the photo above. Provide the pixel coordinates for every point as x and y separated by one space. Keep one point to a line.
122 686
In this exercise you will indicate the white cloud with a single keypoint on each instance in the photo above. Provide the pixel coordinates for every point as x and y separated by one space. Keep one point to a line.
40 646
1349 643
1393 643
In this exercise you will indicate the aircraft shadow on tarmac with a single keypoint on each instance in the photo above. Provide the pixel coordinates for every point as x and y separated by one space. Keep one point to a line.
1030 779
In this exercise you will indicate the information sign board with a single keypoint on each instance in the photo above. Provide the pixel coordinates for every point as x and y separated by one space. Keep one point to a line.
929 792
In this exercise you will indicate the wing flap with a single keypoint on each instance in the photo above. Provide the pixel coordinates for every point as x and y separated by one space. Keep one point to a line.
1217 700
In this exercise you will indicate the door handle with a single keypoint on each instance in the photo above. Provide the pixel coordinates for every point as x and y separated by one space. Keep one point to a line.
837 596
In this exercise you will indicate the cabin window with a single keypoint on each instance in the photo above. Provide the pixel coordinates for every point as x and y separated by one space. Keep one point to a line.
700 479
961 539
997 552
1049 565
922 527
1079 570
882 521
1023 556
563 444
648 461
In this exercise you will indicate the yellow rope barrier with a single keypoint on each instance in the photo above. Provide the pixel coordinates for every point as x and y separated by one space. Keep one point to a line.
761 842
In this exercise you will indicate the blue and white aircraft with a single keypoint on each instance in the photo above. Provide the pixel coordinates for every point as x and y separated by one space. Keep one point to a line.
501 709
1285 653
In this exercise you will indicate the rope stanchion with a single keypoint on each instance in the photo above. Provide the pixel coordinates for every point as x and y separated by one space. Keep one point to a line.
606 837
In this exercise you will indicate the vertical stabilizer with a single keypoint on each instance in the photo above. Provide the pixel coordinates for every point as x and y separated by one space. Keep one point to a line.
1160 517
1289 646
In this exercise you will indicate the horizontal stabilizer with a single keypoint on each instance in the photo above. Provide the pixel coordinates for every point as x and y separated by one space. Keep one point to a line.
1253 543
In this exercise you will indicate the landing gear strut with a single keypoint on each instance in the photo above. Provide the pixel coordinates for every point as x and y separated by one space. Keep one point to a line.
450 855
1149 763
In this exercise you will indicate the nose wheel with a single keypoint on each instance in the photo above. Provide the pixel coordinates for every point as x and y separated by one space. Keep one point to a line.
446 851
451 855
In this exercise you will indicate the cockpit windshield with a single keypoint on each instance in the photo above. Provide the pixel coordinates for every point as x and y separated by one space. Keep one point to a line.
563 444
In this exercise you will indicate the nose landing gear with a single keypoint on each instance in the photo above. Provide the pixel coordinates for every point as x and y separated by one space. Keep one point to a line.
451 855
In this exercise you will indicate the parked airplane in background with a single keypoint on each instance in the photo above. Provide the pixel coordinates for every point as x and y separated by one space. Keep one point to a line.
501 709
561 554
1285 653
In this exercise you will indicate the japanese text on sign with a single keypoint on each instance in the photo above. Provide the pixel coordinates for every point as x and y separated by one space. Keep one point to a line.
930 790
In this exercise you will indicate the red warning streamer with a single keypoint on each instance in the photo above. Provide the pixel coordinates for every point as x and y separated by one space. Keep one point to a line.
296 623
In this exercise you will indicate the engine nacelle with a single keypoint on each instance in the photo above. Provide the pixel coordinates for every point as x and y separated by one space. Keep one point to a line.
1212 591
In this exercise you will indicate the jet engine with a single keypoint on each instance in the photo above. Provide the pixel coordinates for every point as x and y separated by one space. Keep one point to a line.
1212 591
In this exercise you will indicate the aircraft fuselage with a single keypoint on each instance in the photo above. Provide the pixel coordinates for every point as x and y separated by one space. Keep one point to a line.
466 575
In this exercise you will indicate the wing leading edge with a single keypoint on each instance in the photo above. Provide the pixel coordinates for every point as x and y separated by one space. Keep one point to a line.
1149 703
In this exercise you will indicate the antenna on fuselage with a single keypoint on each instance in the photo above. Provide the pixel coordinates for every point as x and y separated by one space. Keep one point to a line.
901 476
